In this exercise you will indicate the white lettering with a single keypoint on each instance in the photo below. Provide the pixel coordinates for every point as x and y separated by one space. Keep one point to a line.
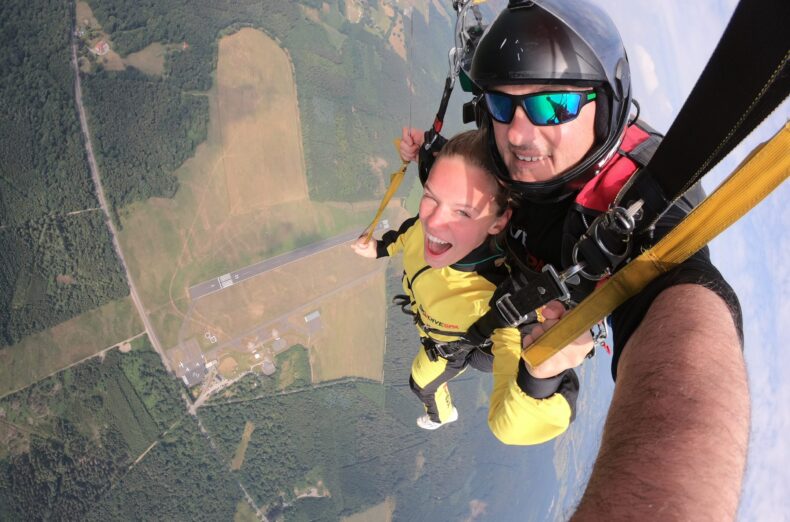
519 233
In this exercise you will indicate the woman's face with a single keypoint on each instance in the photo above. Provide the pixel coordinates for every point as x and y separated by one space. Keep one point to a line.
458 210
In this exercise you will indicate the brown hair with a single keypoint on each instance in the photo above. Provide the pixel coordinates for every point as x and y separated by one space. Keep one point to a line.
472 148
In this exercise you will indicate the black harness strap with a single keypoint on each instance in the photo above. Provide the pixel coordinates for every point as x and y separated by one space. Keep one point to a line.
744 80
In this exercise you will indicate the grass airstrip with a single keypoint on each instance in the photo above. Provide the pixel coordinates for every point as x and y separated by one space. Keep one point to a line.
241 449
243 197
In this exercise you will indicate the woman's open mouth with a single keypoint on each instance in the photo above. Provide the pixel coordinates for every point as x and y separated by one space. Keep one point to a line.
435 246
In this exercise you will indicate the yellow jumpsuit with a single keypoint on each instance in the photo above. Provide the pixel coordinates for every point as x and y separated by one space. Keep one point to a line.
446 302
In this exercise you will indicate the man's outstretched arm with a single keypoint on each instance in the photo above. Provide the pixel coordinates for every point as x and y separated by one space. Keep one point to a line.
674 444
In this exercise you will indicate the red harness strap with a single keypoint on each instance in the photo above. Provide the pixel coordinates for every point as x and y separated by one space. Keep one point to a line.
601 190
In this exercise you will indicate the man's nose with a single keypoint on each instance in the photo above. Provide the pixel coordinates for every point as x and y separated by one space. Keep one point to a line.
520 130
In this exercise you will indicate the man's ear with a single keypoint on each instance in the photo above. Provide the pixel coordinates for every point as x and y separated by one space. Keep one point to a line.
501 222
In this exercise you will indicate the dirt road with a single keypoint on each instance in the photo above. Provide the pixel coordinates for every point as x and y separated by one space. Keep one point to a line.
103 202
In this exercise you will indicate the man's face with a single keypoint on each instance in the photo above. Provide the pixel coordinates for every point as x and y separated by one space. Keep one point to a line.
540 153
457 211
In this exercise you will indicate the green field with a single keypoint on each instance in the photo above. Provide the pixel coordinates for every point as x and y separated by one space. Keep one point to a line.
106 438
293 368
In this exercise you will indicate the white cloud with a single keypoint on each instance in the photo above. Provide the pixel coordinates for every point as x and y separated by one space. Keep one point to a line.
647 68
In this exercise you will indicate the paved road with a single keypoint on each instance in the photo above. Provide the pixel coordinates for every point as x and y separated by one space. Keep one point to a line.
103 202
218 283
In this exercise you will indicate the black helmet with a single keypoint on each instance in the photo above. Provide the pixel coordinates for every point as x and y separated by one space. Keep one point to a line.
570 42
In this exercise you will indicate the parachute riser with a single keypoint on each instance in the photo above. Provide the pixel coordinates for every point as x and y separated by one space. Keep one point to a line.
465 42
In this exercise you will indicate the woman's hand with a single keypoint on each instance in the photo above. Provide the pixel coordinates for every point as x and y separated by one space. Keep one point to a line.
365 248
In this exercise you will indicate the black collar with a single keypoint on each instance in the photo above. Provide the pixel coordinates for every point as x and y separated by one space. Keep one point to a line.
484 255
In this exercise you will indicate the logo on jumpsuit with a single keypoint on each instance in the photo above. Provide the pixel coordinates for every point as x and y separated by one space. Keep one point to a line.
437 322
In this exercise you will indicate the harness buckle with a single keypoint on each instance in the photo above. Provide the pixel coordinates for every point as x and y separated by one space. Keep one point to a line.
405 304
451 350
607 242
599 332
562 278
509 311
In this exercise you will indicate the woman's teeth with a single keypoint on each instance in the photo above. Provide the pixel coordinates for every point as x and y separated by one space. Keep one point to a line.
436 245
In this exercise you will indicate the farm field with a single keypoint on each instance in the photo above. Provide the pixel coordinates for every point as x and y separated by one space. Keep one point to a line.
352 344
242 196
150 60
46 352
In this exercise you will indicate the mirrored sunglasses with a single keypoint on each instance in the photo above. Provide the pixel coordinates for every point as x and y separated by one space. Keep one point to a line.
542 108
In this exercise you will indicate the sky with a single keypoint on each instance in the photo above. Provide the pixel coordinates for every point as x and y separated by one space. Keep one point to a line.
667 54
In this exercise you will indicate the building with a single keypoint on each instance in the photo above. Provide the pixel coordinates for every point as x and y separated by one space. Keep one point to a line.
101 48
189 363
313 320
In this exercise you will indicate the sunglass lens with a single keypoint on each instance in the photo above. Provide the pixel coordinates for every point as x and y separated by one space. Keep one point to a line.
500 107
553 108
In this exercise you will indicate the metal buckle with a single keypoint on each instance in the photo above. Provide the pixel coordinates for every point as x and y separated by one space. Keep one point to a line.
599 332
621 221
513 315
509 311
561 277
440 349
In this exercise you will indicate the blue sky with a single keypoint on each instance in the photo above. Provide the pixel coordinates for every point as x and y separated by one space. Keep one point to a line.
669 43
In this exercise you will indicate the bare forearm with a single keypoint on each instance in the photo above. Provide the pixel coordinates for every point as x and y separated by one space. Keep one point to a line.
674 444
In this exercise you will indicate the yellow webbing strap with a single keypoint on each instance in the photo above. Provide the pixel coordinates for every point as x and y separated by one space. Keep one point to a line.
763 171
395 179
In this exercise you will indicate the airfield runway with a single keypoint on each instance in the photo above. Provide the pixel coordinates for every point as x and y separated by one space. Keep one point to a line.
218 283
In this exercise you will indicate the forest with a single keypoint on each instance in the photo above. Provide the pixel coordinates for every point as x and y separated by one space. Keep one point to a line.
56 255
54 268
43 169
353 95
72 440
112 436
142 130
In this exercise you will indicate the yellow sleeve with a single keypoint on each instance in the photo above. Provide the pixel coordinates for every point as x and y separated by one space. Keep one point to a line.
514 416
393 241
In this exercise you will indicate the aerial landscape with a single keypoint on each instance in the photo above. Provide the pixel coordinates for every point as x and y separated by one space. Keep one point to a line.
185 332
185 327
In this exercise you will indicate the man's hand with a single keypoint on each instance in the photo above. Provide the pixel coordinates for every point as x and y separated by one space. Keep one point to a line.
410 143
365 248
569 357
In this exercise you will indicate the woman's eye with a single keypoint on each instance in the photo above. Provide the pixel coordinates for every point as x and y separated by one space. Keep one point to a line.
463 213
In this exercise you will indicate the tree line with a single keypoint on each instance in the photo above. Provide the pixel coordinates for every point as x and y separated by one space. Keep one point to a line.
69 456
53 266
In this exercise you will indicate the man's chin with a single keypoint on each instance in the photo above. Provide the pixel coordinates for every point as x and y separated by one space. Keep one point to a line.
530 174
